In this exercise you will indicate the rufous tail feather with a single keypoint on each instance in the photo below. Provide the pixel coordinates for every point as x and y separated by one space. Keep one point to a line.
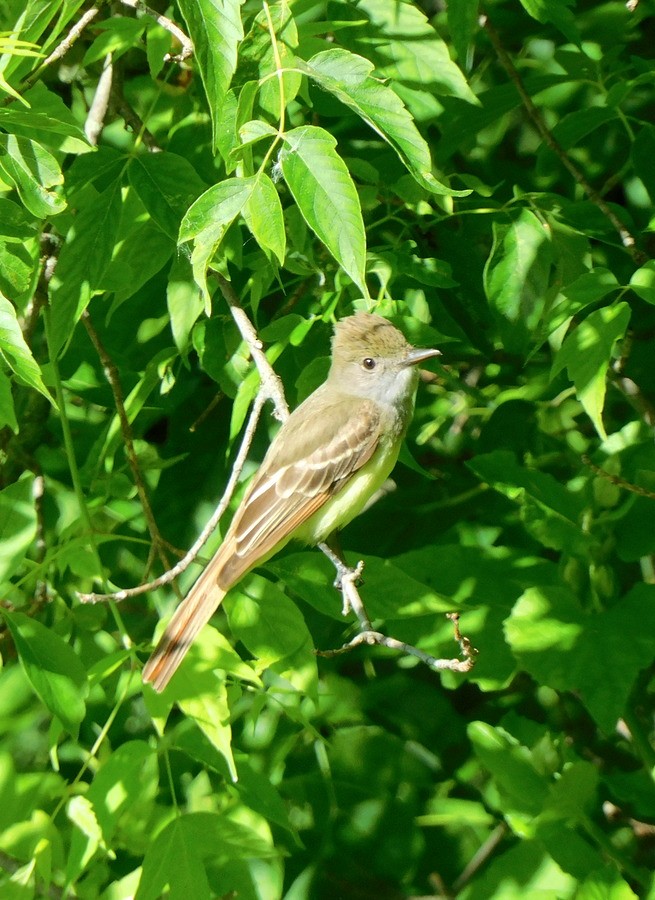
192 614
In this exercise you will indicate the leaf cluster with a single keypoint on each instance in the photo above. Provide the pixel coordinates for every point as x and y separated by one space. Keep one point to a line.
483 175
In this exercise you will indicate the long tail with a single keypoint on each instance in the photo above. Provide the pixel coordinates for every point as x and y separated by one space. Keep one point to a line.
194 611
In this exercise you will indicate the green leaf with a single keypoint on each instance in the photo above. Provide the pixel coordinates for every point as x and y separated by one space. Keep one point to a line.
643 282
516 278
87 830
199 689
522 787
48 121
19 251
207 221
17 524
16 352
215 28
7 409
592 286
587 352
173 860
643 153
570 130
53 668
326 196
556 12
118 34
267 54
34 172
141 250
605 884
550 512
264 217
83 260
573 795
585 290
348 78
597 655
403 46
167 184
463 26
125 780
274 631
175 857
184 301
211 712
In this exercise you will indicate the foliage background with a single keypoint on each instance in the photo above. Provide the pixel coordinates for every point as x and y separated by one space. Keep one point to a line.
522 251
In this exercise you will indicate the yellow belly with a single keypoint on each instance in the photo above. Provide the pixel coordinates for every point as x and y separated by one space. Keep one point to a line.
353 497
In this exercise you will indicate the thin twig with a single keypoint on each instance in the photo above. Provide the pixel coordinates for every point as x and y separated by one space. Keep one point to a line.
627 238
63 46
112 376
617 480
192 554
480 857
371 637
271 384
185 42
635 396
121 106
95 119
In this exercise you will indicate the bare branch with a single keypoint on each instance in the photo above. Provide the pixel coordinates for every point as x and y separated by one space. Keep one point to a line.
95 119
185 42
617 480
370 637
63 46
271 383
112 376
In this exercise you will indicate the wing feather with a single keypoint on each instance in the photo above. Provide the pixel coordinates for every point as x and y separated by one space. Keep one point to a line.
287 491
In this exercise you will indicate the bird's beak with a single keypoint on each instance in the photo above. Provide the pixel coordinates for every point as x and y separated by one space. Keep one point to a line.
418 355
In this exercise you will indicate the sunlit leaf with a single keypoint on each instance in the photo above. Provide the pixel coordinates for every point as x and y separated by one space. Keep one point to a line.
326 196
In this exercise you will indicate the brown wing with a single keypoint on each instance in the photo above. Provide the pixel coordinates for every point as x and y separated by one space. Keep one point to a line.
329 442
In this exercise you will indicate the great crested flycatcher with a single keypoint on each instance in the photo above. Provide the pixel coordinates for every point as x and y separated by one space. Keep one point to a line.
326 461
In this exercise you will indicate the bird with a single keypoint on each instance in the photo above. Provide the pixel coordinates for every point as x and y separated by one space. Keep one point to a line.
322 467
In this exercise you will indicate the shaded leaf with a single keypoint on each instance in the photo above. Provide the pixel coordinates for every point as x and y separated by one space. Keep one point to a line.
83 260
167 184
516 278
587 352
16 352
34 172
53 668
597 655
216 31
17 524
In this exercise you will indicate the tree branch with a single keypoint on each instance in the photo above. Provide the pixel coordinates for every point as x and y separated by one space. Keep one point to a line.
95 119
271 384
112 376
185 42
62 47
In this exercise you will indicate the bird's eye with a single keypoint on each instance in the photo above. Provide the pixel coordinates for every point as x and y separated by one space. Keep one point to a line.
368 363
